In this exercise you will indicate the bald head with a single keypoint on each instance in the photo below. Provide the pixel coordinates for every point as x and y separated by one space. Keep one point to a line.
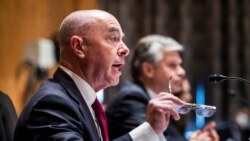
91 46
79 23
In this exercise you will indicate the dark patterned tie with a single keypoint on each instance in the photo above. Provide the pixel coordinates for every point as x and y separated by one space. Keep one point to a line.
100 116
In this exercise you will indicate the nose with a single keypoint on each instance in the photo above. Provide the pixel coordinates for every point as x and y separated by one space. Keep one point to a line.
123 50
181 72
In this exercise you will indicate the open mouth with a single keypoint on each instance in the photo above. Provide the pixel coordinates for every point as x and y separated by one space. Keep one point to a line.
118 66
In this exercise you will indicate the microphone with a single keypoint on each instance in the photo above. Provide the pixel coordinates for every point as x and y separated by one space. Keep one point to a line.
215 78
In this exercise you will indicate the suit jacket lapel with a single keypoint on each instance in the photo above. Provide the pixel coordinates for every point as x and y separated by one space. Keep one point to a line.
68 84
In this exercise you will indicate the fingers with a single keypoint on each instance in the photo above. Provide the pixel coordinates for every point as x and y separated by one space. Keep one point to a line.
159 110
166 105
204 136
207 134
168 102
157 117
194 135
210 125
214 135
212 132
200 136
169 107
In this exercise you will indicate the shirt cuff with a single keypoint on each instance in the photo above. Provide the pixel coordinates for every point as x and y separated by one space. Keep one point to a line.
145 132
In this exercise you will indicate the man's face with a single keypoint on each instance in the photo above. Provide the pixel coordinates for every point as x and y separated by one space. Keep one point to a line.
106 53
169 67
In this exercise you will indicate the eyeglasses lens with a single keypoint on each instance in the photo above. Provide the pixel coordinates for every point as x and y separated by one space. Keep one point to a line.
204 112
182 109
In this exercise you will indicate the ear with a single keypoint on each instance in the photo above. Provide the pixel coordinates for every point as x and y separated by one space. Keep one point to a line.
148 69
78 46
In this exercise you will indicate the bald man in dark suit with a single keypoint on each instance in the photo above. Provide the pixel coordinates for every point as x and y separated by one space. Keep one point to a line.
92 55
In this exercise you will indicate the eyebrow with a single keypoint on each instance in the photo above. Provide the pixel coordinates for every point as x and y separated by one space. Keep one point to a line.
115 29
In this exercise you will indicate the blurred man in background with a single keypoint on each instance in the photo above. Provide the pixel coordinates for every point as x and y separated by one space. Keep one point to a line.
237 128
155 67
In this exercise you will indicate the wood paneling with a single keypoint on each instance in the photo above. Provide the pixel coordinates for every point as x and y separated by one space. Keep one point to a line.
25 21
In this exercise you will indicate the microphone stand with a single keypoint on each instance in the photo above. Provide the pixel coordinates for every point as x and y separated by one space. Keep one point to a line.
219 78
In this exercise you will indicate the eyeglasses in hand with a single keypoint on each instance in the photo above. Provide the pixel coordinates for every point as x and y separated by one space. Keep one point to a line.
201 110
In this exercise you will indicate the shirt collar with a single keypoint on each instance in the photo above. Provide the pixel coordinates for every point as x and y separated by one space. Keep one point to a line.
86 90
151 93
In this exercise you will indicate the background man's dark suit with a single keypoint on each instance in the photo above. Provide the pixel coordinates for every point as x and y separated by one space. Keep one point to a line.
57 112
128 110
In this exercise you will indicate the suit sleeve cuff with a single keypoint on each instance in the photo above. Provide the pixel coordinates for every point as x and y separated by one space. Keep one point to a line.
144 132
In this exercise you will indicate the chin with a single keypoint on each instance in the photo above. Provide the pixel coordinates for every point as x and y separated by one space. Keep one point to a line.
177 90
117 82
114 82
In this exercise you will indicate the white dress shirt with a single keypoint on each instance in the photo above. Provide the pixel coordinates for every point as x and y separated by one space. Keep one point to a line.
144 132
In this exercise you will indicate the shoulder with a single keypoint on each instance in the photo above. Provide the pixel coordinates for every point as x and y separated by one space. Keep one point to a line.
50 96
48 91
130 88
130 96
4 98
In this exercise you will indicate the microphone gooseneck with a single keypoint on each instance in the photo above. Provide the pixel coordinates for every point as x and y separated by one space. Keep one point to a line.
215 78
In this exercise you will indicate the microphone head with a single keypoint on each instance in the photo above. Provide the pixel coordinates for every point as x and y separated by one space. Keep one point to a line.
216 78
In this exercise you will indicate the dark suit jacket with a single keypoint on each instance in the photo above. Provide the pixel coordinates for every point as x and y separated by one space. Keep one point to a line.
128 110
57 112
8 118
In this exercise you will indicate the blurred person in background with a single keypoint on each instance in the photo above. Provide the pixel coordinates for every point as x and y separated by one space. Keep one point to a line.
156 60
185 93
237 128
8 118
